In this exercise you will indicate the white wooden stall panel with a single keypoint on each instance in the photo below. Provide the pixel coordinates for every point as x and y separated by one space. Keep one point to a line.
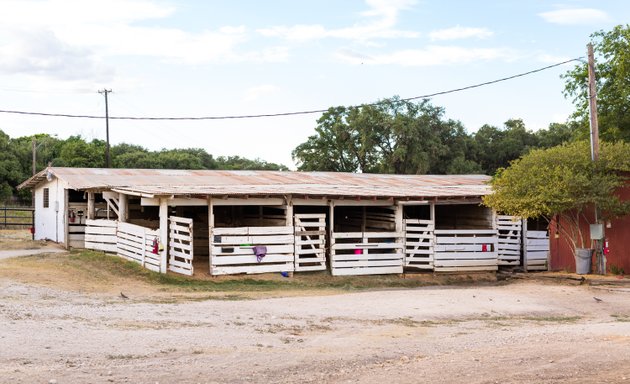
233 250
419 243
366 253
180 245
464 250
101 235
310 241
509 242
136 243
537 250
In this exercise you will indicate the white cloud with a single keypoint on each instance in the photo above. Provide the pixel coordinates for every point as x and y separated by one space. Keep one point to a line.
382 17
68 39
255 93
430 56
459 32
575 16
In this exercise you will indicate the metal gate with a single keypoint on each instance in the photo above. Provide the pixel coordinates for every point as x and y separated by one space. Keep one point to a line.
180 245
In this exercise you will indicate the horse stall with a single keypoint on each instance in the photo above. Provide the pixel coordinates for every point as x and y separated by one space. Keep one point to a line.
365 239
465 238
251 236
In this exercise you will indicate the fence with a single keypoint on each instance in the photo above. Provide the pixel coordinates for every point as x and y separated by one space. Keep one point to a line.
251 250
509 244
462 250
419 241
17 217
310 242
136 243
366 253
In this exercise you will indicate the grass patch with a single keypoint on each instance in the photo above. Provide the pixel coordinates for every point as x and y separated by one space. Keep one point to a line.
621 317
101 265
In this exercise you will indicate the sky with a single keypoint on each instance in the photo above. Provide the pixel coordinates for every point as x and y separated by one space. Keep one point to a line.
183 58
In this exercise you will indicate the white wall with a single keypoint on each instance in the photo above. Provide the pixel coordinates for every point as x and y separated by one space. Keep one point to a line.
50 222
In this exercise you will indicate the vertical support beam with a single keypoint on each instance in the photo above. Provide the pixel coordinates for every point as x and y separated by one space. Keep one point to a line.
432 212
400 228
91 209
289 211
524 247
210 237
163 234
123 207
331 230
66 225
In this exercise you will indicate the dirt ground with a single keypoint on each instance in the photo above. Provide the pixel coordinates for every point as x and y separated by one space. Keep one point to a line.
521 332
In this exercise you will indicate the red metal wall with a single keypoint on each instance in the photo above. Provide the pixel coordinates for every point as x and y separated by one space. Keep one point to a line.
618 236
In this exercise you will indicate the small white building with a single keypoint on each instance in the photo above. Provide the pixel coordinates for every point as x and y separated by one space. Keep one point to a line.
225 222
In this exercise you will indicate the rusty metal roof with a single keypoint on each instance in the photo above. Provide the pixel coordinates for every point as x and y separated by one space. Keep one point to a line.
161 182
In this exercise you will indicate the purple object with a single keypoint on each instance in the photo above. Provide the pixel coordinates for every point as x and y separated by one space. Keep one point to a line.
260 251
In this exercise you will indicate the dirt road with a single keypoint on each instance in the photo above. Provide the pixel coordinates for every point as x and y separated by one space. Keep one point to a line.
516 333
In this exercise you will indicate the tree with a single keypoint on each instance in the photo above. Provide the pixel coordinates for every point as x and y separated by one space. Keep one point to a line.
563 182
612 57
10 173
391 136
496 147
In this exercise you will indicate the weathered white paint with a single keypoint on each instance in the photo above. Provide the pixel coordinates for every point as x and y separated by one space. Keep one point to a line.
163 234
50 223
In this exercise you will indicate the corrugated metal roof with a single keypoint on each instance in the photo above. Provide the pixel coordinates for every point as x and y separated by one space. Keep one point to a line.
211 182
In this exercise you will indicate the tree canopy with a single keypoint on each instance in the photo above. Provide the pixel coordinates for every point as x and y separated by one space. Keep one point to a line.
16 159
563 181
612 61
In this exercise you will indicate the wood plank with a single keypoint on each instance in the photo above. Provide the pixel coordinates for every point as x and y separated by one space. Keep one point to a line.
464 263
251 269
537 234
465 255
367 271
470 232
100 231
250 259
101 223
466 269
101 247
256 240
379 235
465 240
367 246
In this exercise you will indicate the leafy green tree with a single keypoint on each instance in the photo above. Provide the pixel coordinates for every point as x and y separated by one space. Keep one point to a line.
241 163
392 136
76 152
612 57
496 147
563 181
557 134
10 174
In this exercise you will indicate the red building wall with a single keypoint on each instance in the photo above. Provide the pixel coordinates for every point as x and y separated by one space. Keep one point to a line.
618 236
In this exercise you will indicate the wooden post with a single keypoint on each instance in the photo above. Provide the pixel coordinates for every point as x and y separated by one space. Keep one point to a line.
123 207
331 230
524 247
90 206
163 234
592 104
289 211
398 216
210 237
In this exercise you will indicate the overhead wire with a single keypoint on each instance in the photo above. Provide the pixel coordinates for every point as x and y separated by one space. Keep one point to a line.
293 113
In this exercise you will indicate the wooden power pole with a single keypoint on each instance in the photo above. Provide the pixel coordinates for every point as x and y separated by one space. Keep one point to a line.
107 158
592 104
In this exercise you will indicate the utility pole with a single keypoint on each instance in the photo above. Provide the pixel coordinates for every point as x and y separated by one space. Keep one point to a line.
34 147
600 260
592 104
107 158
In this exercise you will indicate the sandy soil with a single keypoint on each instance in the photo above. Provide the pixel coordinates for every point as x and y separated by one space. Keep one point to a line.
522 332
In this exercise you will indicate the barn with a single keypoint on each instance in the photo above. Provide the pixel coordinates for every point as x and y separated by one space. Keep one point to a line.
232 222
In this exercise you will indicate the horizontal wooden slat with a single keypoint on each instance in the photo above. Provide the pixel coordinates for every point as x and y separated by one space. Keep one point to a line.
264 268
367 271
468 232
353 235
251 259
465 240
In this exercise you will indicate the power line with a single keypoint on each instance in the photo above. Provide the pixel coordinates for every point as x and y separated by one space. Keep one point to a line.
305 112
